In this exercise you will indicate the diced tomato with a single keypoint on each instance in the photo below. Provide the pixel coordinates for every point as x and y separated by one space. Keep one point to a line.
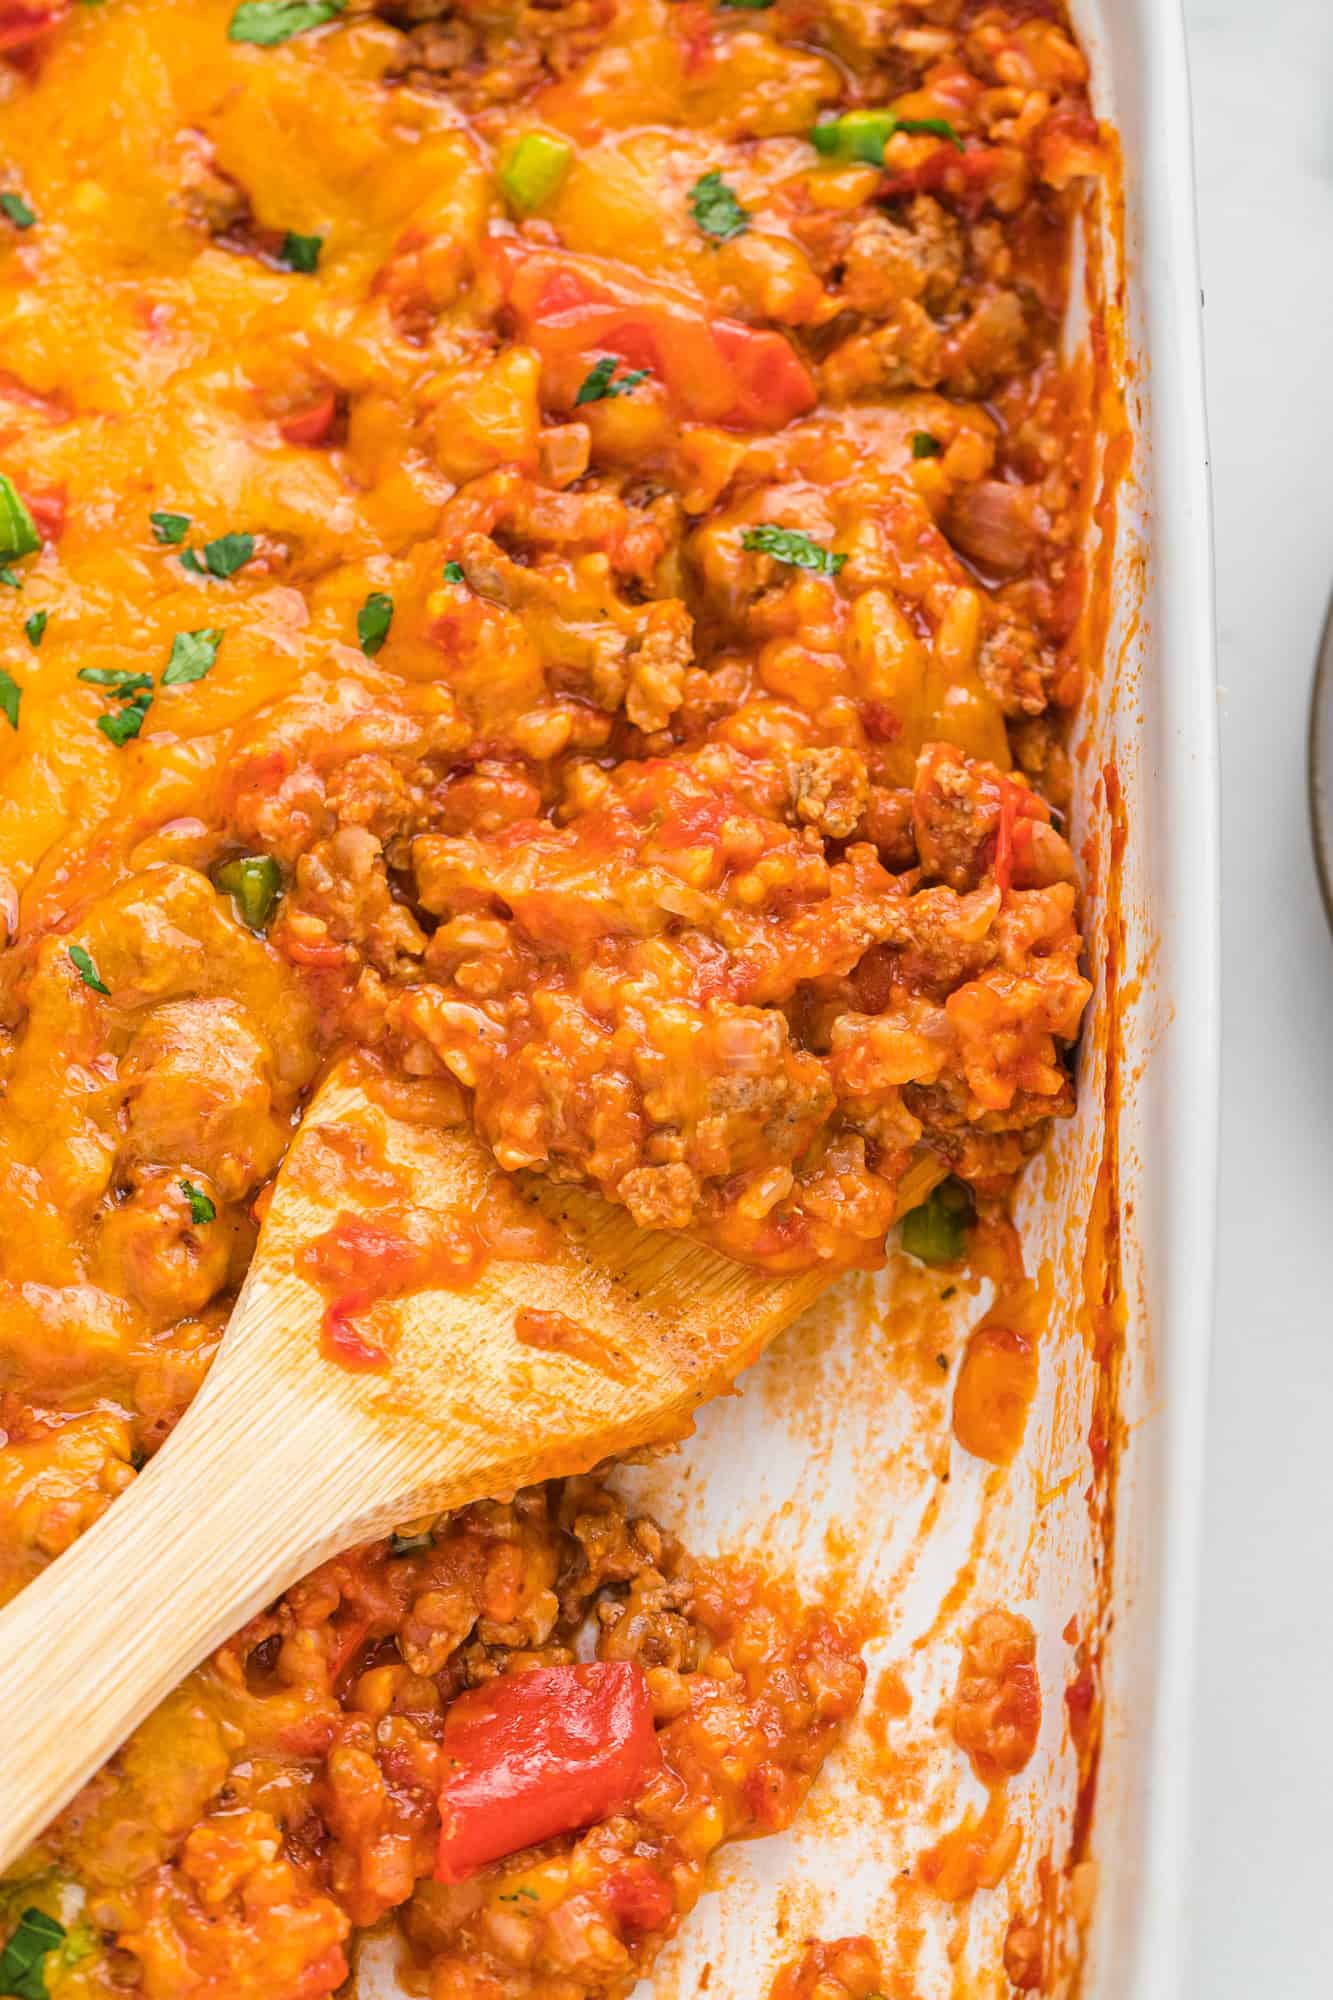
381 1260
24 22
562 290
1004 839
685 820
48 512
361 1262
882 724
965 178
696 26
639 1898
775 383
322 957
536 1754
1013 837
313 425
343 1341
1069 142
768 1797
54 408
716 370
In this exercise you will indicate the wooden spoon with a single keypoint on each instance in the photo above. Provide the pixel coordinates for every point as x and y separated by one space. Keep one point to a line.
287 1456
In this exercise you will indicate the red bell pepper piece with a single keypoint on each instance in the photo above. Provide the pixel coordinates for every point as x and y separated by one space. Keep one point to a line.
1019 807
1004 839
24 22
48 512
716 370
536 1754
312 426
774 383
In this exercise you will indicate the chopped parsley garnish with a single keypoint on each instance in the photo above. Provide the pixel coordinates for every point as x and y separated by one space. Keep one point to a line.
192 654
170 529
23 1960
268 22
749 6
135 690
35 627
716 209
453 573
936 1232
221 558
201 1208
8 578
83 964
597 384
119 679
934 128
11 694
523 1890
925 446
18 530
18 211
373 621
120 725
254 883
863 135
794 546
300 253
409 1545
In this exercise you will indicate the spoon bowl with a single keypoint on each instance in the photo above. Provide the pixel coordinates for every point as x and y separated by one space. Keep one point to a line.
533 1368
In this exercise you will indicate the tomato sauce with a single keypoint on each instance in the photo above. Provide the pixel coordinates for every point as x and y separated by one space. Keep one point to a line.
360 1260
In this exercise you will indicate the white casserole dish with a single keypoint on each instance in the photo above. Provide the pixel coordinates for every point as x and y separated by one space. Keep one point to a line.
1166 716
836 1461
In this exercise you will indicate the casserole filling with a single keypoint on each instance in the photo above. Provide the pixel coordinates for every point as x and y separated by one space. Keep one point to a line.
291 1788
544 541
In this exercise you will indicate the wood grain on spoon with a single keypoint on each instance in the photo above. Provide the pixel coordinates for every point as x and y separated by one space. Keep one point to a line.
533 1369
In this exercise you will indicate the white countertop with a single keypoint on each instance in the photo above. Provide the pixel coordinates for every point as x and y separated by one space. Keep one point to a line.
1260 1891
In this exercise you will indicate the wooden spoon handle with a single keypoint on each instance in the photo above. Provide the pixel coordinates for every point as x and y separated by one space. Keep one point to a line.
103 1634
